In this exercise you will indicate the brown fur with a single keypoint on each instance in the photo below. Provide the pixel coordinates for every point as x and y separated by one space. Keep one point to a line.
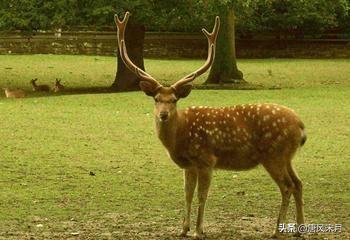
39 88
17 93
58 86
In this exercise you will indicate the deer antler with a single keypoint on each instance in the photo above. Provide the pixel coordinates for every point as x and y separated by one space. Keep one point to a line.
121 25
211 55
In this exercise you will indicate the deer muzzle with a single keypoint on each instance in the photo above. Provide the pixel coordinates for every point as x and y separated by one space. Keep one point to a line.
163 116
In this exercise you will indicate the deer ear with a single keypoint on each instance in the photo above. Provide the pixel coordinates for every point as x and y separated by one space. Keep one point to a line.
148 88
183 91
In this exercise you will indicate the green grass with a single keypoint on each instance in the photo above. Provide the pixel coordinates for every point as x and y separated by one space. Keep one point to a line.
49 145
97 71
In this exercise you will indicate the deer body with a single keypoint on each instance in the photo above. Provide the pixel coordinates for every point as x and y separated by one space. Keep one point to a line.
201 139
42 87
18 93
237 138
58 87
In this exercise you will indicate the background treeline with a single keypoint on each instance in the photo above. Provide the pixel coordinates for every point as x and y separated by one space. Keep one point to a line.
280 17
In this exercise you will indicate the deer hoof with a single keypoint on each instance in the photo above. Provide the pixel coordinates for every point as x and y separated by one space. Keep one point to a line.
183 233
185 230
199 236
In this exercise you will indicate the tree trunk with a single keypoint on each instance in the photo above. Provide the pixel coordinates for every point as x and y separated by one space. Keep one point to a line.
125 80
224 69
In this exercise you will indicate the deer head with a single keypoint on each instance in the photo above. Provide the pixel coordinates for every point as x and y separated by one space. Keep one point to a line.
165 97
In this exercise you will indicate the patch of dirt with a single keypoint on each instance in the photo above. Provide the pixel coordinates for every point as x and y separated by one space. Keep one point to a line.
123 226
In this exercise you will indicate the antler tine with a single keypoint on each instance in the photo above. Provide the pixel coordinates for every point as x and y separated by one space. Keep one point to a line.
211 55
121 25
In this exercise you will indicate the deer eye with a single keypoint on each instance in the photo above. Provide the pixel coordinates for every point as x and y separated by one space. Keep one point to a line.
173 100
156 100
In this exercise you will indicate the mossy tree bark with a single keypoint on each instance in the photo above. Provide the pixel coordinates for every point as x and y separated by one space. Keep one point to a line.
224 69
125 80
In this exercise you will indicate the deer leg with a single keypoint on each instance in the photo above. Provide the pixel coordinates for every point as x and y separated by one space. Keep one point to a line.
190 177
286 191
286 185
204 179
298 195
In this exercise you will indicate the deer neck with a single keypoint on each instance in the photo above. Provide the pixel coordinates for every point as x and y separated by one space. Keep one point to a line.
167 131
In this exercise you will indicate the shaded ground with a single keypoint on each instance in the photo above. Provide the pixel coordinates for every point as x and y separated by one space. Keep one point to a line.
118 226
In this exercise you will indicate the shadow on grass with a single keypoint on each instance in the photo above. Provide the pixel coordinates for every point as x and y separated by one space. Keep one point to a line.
106 90
73 91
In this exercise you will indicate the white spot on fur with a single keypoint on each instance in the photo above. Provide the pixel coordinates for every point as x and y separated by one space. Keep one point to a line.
266 117
279 138
267 135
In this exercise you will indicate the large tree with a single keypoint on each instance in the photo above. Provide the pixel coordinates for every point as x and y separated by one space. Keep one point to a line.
125 80
185 14
224 69
165 15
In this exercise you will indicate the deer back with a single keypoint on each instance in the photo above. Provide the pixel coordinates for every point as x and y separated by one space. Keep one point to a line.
239 137
18 93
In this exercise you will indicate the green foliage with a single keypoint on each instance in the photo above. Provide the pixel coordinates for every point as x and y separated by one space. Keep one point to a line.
176 15
296 15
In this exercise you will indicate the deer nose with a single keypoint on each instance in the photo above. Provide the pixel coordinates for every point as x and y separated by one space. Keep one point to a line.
163 115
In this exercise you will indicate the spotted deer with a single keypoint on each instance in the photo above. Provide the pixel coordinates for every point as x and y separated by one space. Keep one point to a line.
201 139
42 87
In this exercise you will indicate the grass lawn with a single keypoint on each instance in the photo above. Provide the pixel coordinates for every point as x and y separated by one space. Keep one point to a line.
50 144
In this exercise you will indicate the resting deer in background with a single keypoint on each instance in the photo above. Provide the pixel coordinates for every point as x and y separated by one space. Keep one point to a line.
58 86
201 139
37 88
17 93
